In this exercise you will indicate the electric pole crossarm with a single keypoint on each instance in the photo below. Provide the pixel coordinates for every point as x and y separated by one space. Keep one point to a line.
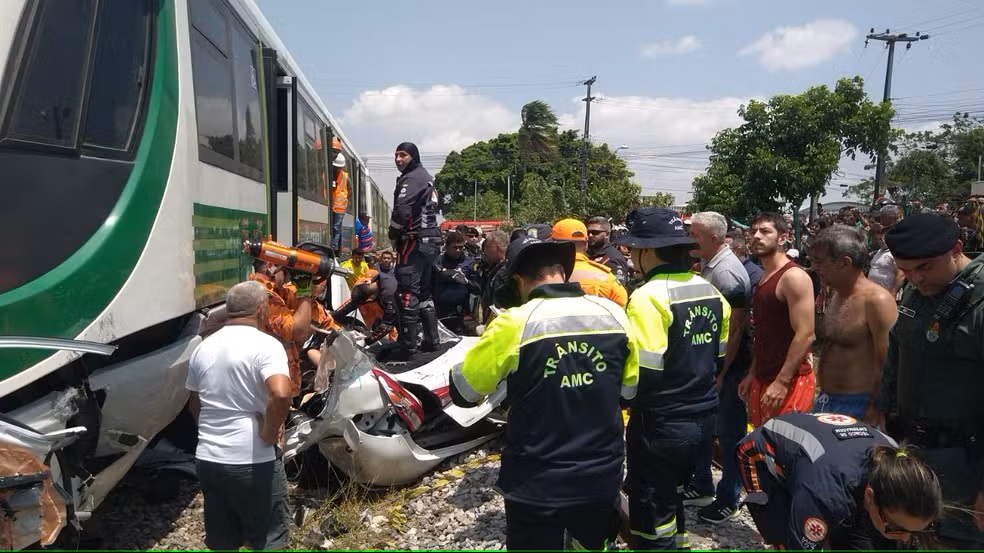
890 39
587 126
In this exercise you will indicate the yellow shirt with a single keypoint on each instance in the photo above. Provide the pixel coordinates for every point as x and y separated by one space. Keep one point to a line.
358 271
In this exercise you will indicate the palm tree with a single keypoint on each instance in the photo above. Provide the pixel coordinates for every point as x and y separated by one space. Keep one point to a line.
538 134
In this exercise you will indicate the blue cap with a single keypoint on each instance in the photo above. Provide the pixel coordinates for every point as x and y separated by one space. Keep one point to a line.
654 227
529 251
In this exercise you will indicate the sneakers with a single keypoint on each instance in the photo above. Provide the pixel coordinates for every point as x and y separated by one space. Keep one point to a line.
694 498
717 512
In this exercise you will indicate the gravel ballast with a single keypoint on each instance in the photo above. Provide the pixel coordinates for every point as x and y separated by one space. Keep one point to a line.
453 508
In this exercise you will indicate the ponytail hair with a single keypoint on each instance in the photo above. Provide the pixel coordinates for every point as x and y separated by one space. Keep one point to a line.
903 483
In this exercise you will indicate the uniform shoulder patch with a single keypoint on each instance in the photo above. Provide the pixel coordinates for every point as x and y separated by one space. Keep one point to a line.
814 529
836 419
849 432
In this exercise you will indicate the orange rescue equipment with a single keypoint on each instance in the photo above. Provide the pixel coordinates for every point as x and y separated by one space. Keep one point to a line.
292 258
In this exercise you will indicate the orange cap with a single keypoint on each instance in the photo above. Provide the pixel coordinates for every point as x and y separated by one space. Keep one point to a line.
570 229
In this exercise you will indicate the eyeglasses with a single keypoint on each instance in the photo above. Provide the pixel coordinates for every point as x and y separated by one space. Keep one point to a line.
892 529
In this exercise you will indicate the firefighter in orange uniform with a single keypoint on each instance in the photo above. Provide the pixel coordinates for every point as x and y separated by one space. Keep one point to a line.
595 279
339 200
290 318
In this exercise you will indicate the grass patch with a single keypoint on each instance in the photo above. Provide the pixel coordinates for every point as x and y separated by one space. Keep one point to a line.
350 509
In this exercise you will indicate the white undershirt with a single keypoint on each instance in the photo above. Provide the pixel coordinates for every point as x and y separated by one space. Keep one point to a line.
882 271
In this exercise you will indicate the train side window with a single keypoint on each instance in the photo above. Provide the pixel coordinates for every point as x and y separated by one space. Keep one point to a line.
119 75
312 177
227 97
46 103
249 125
213 99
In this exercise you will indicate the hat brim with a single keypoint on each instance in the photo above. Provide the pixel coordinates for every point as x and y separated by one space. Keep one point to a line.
655 242
546 253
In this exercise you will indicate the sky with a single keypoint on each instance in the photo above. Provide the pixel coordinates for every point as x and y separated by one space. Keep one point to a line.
670 73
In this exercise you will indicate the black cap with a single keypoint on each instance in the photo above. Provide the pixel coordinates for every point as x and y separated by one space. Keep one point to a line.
654 227
527 252
921 236
364 215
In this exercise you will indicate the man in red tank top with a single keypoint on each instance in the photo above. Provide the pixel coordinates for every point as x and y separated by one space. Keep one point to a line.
780 379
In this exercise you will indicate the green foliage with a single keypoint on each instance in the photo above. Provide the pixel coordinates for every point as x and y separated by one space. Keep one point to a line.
544 166
664 199
788 148
935 166
491 205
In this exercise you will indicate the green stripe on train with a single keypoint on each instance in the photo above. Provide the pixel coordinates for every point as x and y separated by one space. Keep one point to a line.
219 258
67 299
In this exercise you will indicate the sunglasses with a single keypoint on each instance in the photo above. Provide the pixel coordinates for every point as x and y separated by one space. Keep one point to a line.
892 529
596 232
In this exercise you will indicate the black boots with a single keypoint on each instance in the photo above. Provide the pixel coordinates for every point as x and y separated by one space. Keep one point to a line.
432 337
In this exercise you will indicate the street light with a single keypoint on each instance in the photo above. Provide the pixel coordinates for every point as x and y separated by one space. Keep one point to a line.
622 147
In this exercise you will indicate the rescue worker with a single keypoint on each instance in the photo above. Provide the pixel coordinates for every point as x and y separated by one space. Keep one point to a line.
828 481
454 283
932 377
339 200
595 279
417 239
681 322
567 358
375 298
601 250
363 232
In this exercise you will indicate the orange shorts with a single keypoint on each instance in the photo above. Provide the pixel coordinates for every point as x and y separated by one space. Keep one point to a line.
799 398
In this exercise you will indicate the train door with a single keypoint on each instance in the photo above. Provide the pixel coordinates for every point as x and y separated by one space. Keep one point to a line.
281 105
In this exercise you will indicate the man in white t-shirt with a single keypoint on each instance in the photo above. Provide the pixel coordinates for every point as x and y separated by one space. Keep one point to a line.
882 269
240 396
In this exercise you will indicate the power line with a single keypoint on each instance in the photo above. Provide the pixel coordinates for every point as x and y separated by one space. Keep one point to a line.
890 39
584 149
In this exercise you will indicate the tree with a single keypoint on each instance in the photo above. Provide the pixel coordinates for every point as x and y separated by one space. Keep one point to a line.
491 205
663 199
537 136
935 166
788 148
544 174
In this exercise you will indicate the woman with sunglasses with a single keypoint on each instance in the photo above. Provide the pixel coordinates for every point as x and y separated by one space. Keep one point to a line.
828 481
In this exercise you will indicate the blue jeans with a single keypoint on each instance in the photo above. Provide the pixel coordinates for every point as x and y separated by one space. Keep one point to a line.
732 422
336 231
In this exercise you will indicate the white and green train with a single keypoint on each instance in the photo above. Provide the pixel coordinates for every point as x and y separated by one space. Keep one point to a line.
141 141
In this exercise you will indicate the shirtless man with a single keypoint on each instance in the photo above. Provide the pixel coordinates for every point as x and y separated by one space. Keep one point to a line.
855 326
780 378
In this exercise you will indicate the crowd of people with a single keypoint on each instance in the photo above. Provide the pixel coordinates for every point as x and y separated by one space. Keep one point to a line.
868 339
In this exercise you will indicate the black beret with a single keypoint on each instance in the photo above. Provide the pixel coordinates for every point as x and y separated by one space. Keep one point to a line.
922 235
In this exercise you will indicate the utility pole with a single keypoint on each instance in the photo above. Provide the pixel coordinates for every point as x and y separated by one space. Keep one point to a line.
475 212
584 149
890 39
509 197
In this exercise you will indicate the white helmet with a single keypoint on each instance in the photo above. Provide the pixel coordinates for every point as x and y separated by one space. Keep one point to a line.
339 160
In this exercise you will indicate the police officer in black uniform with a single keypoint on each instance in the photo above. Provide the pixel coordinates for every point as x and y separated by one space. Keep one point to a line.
934 371
456 281
601 250
417 239
829 481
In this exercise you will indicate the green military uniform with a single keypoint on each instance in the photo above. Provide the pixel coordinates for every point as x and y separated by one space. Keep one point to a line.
931 389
